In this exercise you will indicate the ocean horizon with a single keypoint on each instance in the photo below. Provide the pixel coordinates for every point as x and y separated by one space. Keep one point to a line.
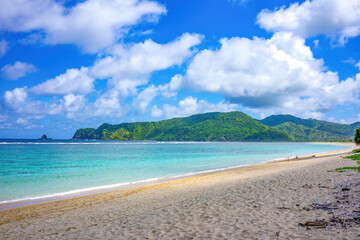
33 169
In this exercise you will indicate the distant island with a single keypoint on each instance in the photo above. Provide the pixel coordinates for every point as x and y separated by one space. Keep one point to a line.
231 126
44 137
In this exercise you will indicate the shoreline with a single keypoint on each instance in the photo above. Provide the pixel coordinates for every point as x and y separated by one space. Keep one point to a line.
276 200
17 203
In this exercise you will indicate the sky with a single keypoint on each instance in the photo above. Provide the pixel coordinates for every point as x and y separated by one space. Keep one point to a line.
69 64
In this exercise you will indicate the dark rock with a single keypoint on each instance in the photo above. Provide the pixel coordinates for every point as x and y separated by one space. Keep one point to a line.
44 137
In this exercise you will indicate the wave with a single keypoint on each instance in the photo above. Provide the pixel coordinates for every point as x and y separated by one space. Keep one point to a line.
77 191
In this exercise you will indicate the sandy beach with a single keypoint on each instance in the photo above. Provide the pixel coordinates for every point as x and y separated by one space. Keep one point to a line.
293 199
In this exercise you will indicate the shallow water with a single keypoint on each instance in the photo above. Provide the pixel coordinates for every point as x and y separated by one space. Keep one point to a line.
30 169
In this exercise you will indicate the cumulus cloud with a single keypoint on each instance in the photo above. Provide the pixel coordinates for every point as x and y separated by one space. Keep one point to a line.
92 24
17 70
321 100
277 73
3 47
189 106
73 103
72 81
108 104
170 89
129 66
338 19
18 101
70 104
156 112
16 98
139 60
144 98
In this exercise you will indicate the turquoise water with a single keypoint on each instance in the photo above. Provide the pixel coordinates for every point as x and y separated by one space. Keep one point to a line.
30 169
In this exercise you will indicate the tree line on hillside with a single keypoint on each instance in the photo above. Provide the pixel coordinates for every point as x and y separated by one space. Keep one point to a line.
231 126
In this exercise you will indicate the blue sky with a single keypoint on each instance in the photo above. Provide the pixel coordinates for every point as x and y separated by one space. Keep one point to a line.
66 64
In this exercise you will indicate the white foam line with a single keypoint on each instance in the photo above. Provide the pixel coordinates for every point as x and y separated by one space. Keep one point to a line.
66 193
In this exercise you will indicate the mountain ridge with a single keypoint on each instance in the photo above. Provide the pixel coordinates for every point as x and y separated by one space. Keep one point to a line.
229 126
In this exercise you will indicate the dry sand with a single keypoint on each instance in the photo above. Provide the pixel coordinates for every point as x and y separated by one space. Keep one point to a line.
269 201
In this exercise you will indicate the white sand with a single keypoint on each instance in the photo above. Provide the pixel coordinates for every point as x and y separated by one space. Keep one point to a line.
258 202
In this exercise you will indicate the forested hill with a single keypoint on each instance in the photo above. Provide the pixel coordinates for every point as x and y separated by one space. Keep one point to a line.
308 130
231 126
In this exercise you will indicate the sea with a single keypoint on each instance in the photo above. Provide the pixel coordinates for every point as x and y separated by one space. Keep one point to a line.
35 169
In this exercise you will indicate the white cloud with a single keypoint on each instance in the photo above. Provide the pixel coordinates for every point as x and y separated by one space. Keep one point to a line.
353 119
72 81
350 60
108 104
26 124
278 74
139 60
21 121
321 100
338 19
130 66
92 25
73 103
3 47
16 98
190 106
358 65
144 98
17 70
18 101
170 89
70 104
156 112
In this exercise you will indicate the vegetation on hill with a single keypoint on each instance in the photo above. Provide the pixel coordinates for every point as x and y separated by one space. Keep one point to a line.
302 133
309 130
231 126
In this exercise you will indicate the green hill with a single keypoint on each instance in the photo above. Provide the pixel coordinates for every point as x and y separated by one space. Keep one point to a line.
231 126
311 129
302 133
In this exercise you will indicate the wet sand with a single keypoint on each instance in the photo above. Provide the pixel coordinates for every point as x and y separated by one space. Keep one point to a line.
292 199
